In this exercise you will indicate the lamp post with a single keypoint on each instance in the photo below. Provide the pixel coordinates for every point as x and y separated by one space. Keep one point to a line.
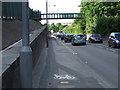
47 12
47 28
26 52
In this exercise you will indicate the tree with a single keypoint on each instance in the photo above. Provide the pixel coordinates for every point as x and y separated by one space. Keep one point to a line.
93 13
57 27
53 27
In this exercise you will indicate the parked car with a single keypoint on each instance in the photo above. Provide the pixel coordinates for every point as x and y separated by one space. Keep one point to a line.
68 37
79 39
55 34
95 38
71 36
114 39
62 36
58 36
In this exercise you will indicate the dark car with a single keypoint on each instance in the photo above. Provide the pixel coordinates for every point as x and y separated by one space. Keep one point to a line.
95 38
58 36
114 40
62 35
68 37
71 36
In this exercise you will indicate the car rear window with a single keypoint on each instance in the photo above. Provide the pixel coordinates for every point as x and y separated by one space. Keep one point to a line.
96 35
117 35
67 35
80 35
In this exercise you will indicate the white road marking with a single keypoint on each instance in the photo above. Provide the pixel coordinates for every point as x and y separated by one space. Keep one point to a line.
69 49
63 77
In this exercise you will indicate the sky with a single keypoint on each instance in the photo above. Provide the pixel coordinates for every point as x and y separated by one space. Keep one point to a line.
56 6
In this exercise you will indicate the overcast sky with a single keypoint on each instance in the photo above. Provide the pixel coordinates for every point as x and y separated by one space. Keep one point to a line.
56 6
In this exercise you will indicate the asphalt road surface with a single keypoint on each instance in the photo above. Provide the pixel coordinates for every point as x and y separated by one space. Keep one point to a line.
84 66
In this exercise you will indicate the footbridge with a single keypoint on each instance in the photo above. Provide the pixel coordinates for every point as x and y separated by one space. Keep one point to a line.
53 16
25 49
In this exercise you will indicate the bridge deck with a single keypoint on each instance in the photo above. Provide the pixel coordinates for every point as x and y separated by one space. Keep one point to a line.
62 16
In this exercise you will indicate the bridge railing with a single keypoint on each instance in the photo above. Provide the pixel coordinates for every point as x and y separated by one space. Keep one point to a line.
13 10
62 16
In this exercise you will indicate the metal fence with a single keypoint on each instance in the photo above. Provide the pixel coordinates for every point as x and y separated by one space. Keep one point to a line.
13 10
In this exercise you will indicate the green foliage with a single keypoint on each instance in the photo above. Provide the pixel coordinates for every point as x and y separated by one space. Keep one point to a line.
100 17
53 27
106 25
57 28
73 29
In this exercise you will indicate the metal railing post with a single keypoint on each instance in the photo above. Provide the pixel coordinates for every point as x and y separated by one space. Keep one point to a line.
26 52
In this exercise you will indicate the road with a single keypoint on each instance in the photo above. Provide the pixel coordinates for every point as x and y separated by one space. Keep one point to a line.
84 66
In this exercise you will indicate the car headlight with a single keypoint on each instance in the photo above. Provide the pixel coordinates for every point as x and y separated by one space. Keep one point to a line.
117 41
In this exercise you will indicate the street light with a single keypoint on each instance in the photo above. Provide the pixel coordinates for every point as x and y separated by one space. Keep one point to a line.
47 12
26 52
47 28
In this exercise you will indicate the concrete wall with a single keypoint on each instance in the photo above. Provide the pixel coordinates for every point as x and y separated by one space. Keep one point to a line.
12 29
38 45
11 70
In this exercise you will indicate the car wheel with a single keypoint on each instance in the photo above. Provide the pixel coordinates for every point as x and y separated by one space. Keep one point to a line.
109 45
84 43
65 41
73 44
101 41
91 41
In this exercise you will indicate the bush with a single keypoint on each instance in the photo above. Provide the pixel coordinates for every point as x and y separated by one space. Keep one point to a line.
106 25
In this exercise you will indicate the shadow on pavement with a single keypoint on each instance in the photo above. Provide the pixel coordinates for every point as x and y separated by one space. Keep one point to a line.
52 68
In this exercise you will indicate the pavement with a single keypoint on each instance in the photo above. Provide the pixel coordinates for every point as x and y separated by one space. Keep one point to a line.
67 66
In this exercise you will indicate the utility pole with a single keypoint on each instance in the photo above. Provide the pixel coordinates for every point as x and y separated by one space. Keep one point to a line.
47 12
47 30
26 52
